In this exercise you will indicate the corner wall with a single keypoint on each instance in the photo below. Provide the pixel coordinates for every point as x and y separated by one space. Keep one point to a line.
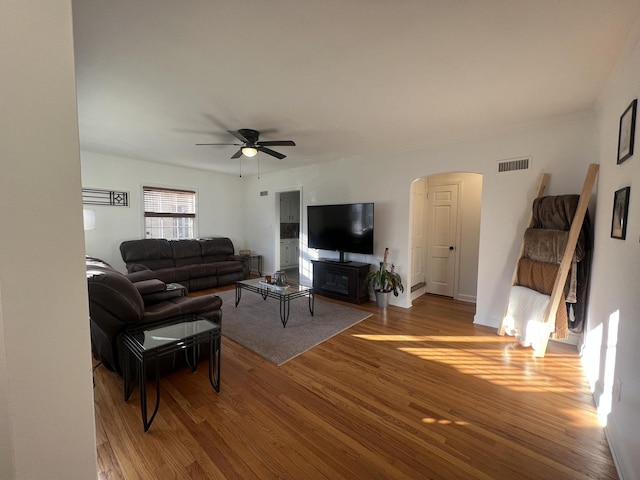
46 397
219 210
563 146
612 349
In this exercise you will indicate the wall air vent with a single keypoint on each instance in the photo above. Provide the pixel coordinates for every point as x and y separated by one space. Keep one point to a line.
514 164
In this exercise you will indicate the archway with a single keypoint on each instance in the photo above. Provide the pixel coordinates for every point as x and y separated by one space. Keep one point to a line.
444 235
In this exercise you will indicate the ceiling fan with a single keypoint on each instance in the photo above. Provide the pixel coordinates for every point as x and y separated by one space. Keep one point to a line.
250 145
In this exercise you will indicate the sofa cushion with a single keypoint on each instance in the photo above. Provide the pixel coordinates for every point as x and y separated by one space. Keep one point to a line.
150 264
202 283
186 252
154 253
173 275
216 246
133 251
228 267
215 258
182 262
229 278
204 270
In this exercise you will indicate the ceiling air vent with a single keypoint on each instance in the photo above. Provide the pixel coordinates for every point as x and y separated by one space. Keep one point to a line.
514 164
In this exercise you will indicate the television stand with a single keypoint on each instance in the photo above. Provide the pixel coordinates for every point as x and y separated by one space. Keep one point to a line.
342 281
340 259
335 260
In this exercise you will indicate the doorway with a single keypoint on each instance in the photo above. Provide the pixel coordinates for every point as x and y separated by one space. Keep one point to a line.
289 233
445 234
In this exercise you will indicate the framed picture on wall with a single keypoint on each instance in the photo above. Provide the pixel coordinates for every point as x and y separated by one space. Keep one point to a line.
620 212
627 132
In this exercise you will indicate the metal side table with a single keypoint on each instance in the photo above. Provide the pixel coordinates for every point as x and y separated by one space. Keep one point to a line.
146 344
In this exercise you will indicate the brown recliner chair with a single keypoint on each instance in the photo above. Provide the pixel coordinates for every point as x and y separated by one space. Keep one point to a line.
115 302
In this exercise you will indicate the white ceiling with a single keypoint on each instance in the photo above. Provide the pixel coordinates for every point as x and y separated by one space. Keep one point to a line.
341 78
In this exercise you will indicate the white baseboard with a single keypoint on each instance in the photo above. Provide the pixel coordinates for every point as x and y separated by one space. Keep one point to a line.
466 298
487 321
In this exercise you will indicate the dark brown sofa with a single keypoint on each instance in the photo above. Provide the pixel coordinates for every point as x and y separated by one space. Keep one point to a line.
196 264
117 301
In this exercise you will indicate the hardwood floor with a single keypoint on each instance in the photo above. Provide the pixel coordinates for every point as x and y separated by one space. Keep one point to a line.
416 393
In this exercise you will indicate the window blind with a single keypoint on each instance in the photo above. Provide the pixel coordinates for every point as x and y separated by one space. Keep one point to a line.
165 202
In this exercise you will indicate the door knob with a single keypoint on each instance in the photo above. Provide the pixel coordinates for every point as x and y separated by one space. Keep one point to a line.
451 247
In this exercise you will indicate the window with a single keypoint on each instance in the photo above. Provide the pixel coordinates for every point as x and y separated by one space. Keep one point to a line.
169 213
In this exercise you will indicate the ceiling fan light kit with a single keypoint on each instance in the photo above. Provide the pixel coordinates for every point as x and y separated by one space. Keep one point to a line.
250 145
249 152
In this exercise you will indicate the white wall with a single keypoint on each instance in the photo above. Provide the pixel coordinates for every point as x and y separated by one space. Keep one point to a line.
564 147
220 202
6 442
612 349
46 397
470 246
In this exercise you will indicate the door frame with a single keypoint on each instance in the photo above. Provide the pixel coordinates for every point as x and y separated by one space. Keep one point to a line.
470 199
278 193
458 226
413 212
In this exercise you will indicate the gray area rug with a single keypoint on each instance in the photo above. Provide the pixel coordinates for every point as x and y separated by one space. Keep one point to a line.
255 324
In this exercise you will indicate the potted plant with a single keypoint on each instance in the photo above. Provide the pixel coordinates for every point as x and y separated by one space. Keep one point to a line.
384 282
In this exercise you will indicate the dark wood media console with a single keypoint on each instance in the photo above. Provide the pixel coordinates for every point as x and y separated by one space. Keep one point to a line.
342 281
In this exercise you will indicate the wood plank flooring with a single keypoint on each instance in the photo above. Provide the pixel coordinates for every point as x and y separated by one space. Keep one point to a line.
416 393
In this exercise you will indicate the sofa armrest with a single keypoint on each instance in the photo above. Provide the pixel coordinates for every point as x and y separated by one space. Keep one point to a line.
171 290
141 275
150 286
246 263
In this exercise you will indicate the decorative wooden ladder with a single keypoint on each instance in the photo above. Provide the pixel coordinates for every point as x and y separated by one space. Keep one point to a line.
565 264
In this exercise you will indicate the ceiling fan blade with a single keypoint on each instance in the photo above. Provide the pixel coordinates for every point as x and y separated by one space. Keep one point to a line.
278 143
268 151
200 144
238 135
238 154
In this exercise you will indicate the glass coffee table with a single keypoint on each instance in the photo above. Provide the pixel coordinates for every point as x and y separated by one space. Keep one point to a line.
149 343
284 294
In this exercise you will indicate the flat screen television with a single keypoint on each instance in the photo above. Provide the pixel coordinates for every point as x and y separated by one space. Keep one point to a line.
342 228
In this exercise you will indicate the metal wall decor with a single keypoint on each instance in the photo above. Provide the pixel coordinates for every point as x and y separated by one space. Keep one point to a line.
95 196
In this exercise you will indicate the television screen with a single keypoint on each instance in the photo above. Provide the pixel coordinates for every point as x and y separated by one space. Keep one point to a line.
342 228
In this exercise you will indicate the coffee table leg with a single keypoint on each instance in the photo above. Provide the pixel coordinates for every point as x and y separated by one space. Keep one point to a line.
238 294
214 361
311 303
285 307
125 375
143 392
192 351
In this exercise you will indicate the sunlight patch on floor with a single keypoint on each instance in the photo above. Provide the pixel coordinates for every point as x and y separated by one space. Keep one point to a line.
444 421
493 358
491 368
436 338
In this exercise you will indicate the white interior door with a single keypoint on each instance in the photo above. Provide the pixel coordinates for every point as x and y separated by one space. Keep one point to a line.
418 237
442 205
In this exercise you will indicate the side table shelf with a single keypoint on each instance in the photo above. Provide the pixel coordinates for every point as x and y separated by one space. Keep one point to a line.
258 261
149 343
